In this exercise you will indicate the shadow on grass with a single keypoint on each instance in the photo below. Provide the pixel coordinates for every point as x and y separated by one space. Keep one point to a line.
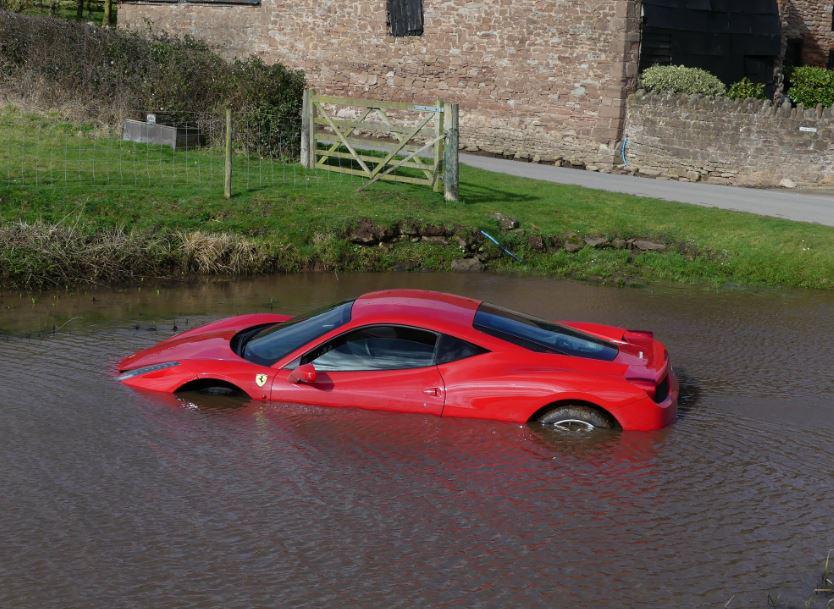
472 193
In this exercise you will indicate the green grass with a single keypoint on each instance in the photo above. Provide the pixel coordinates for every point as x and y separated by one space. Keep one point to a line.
52 171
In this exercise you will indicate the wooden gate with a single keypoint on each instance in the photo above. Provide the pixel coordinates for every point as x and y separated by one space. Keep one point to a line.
390 141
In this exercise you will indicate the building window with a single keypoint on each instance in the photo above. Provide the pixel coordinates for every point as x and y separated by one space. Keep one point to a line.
405 17
830 64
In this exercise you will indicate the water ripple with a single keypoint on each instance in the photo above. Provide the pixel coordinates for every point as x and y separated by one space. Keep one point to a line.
112 498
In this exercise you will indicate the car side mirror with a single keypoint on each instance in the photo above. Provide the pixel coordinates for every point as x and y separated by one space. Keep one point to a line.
305 373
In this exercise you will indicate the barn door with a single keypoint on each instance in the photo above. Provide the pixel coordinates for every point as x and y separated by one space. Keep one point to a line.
405 17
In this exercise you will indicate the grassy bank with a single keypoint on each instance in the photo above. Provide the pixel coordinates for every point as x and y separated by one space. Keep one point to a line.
166 211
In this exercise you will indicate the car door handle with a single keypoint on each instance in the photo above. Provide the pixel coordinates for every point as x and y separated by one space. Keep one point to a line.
433 391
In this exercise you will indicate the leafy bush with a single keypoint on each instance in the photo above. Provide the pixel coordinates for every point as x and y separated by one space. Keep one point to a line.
267 103
680 79
811 86
109 74
746 89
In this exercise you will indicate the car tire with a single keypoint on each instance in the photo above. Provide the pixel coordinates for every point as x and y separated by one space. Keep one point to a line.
575 418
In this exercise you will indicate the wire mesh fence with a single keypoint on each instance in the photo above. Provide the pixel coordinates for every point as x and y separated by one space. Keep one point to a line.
171 151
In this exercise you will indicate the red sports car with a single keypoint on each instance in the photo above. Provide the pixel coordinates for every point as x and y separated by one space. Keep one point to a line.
427 352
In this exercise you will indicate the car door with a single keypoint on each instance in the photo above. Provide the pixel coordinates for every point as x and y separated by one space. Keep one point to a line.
378 367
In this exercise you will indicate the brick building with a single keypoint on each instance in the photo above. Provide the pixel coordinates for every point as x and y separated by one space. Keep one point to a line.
538 79
808 31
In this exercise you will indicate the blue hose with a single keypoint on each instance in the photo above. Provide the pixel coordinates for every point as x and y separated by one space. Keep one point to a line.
501 247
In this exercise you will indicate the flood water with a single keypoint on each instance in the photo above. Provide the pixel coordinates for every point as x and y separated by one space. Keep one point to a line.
114 499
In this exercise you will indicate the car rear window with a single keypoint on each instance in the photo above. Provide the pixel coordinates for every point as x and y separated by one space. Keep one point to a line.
540 335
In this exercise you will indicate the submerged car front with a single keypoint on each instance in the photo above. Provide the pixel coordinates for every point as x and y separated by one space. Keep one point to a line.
206 352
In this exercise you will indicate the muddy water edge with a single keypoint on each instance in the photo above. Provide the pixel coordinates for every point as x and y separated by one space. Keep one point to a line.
113 498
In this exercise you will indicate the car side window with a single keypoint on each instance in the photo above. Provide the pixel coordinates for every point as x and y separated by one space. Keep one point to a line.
375 348
451 349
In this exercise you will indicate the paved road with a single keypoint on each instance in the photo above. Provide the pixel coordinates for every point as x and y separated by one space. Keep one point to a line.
778 203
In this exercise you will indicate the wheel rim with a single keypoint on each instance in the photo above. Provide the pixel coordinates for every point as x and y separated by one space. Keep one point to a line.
574 425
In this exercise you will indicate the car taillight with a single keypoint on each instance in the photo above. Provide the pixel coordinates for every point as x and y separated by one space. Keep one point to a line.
646 385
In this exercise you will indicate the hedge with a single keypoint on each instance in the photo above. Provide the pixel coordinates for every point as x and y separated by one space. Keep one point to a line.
746 89
811 86
680 79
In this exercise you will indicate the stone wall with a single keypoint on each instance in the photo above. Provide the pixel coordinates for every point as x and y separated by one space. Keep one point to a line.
809 20
535 79
718 140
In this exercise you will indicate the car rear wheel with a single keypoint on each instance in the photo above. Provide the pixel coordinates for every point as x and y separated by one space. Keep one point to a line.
575 418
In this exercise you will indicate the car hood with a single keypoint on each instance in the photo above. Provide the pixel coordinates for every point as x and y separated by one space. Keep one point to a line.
212 341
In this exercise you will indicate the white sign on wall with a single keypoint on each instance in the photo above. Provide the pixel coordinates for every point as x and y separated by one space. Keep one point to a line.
426 108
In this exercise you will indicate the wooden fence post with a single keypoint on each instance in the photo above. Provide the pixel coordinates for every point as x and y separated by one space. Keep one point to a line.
107 18
450 174
227 182
305 130
311 129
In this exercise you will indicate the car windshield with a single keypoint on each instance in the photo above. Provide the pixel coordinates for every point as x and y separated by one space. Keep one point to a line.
274 342
540 335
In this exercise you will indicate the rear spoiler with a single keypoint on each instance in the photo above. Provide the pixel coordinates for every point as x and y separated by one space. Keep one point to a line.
638 337
643 340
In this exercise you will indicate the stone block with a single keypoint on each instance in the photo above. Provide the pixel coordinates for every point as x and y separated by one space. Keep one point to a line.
164 135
